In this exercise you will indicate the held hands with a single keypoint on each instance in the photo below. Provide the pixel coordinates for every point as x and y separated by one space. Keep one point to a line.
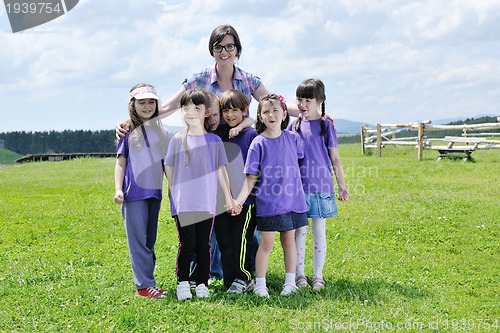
232 207
237 209
343 193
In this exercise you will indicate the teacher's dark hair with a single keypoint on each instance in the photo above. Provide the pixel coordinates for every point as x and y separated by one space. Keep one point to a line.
218 35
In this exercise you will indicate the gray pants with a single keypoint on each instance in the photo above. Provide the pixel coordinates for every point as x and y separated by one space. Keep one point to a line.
141 226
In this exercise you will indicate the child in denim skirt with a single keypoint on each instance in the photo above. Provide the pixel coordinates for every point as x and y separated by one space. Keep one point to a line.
320 154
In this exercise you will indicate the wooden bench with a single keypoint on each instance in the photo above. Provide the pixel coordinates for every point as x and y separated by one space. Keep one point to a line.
463 151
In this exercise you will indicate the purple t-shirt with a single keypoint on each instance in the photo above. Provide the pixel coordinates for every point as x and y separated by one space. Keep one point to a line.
195 180
236 152
316 166
144 149
275 162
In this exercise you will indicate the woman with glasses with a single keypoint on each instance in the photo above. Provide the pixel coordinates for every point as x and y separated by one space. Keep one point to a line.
225 46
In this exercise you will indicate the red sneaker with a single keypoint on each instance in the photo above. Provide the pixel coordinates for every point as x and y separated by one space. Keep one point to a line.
153 292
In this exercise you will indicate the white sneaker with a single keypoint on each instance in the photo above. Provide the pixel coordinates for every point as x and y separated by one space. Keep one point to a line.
183 291
202 291
288 289
261 291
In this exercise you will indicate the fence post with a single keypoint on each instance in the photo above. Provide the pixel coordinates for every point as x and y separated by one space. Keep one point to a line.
363 131
420 140
379 140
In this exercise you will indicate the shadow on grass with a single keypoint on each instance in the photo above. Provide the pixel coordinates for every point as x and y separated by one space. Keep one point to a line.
371 290
368 291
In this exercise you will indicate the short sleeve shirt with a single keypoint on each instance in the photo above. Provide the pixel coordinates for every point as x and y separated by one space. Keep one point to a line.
275 162
316 166
243 81
195 159
144 150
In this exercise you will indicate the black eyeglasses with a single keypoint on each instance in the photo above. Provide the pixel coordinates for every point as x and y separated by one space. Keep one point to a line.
229 47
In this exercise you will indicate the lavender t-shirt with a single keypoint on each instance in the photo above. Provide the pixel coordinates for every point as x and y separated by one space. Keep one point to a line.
275 162
195 159
144 148
316 166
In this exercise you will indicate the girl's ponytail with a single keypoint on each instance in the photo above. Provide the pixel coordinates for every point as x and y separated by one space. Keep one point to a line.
323 119
297 123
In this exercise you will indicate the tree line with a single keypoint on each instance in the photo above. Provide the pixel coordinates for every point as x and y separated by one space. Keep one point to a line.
68 141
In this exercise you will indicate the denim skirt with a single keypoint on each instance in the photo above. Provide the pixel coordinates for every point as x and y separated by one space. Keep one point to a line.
283 222
321 205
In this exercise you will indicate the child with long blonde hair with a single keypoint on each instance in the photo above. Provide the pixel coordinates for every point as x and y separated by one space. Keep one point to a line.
138 184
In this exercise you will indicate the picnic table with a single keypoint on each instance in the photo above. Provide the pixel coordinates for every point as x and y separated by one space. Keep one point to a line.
463 151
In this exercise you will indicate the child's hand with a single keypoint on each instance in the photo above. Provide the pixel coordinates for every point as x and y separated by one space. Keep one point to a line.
331 119
233 132
119 197
343 193
230 203
236 209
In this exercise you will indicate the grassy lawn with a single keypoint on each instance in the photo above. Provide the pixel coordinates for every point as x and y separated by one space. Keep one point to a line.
416 249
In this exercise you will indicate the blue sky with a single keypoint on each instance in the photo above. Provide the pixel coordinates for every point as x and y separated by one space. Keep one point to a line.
382 61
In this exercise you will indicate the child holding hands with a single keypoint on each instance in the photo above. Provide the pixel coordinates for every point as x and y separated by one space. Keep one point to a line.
272 167
195 163
235 233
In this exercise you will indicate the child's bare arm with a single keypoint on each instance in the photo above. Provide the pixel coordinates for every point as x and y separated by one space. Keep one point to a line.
169 171
226 187
339 173
246 123
247 188
121 163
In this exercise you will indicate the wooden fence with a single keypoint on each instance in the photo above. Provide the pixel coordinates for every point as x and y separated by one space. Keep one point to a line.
385 134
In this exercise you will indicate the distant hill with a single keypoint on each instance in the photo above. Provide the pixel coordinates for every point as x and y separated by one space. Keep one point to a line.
8 157
479 118
345 126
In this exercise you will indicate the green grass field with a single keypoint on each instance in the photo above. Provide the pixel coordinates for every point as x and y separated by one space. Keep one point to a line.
416 249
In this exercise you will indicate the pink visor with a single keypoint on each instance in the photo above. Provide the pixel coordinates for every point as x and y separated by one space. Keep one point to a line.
143 92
